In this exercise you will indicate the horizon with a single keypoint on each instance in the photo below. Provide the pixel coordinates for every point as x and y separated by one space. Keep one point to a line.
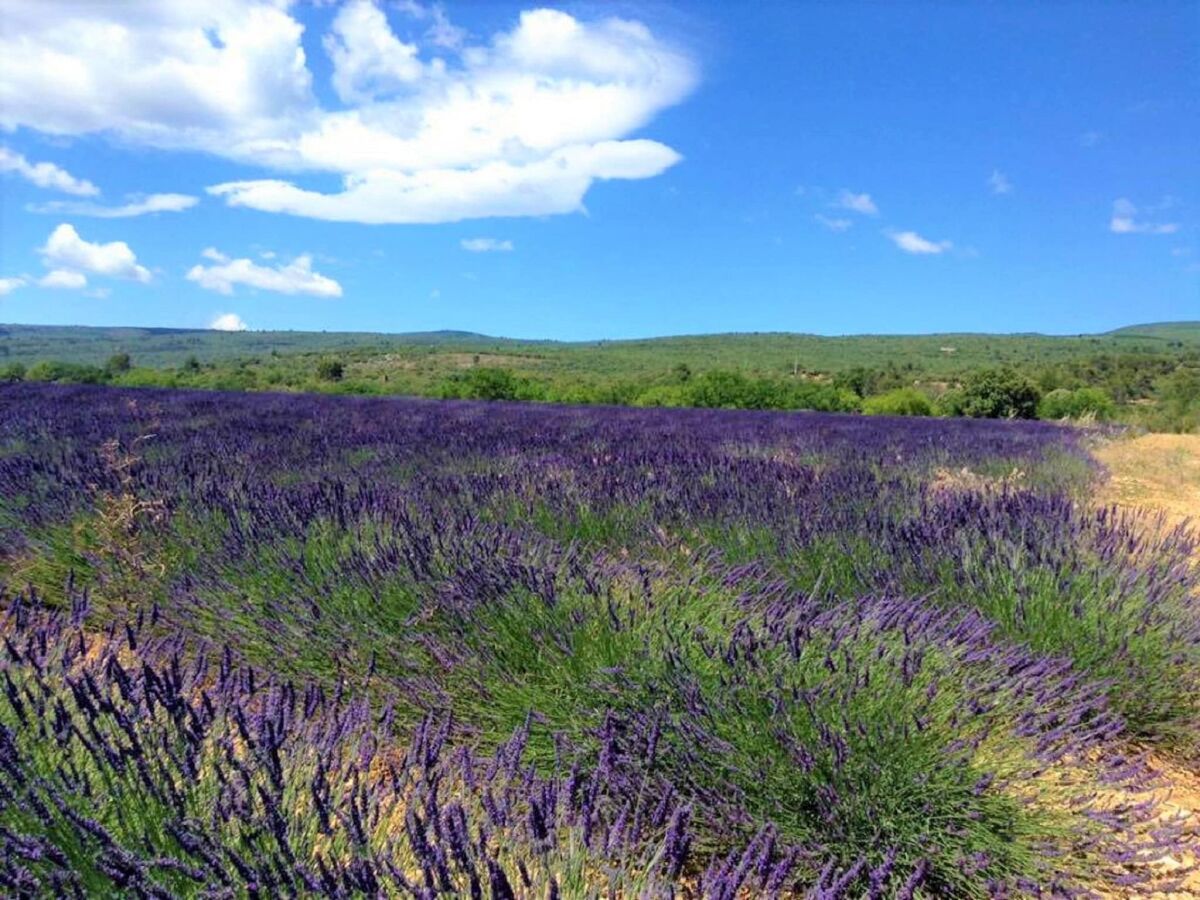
1132 328
614 172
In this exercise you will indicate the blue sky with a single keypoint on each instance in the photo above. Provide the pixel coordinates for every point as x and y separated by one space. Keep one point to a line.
600 170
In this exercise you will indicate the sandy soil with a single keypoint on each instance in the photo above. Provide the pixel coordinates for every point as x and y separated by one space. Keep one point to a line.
1161 473
1154 472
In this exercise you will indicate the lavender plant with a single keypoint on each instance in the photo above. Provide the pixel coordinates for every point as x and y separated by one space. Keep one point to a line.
379 647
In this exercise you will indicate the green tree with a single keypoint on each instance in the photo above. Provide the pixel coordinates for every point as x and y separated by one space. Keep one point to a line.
999 394
118 363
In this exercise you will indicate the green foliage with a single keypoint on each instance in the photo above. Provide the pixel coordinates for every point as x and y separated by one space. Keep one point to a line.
1134 368
1179 399
484 383
662 395
998 394
1082 403
12 372
330 370
900 402
65 371
118 363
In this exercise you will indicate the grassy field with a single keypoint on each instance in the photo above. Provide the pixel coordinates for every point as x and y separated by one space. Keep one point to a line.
344 645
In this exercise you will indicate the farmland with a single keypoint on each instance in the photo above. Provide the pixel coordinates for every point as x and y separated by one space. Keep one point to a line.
266 644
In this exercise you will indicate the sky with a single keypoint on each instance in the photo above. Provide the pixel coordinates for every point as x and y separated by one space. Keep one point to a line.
600 170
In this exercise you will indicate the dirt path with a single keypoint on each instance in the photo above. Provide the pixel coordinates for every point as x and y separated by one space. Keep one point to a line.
1160 473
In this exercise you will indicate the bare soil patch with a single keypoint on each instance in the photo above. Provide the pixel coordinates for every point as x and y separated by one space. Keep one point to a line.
1154 472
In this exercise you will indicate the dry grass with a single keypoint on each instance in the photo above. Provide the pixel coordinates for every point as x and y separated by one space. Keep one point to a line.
1158 472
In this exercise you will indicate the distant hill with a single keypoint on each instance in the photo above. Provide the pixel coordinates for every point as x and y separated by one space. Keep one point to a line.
159 347
1188 332
934 354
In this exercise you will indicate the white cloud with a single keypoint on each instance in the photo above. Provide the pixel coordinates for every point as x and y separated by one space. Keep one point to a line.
1124 219
911 242
226 76
8 285
486 245
999 182
368 60
45 175
65 249
214 254
297 277
227 322
65 279
832 224
137 206
555 184
859 203
519 124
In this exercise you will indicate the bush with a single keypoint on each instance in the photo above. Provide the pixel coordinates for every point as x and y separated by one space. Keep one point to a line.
484 383
1078 404
118 363
330 370
72 373
661 395
998 394
1178 396
900 402
13 372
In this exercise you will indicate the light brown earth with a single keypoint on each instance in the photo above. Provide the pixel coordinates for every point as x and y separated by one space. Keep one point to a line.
1156 472
1160 473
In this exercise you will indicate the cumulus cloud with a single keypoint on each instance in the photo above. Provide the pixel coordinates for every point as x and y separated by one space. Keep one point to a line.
833 224
556 184
859 203
911 242
297 277
486 245
999 183
137 206
441 129
227 322
45 175
1125 219
65 249
64 279
8 285
368 59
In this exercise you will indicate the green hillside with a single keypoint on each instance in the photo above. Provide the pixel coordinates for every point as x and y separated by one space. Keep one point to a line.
936 354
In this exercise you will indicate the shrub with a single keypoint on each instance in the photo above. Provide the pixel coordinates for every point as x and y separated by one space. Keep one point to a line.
1084 402
661 395
13 372
1178 395
118 363
900 402
484 383
330 370
999 394
74 373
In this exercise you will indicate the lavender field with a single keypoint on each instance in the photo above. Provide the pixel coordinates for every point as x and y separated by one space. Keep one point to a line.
268 645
